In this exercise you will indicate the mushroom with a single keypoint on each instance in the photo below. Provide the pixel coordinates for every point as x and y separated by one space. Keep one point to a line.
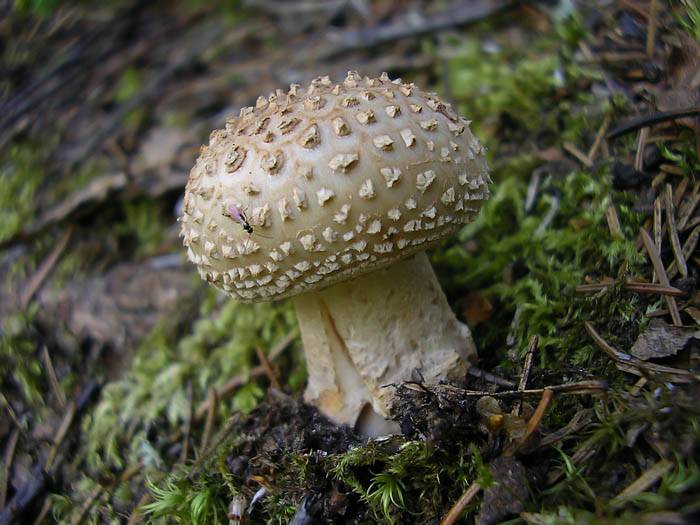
331 194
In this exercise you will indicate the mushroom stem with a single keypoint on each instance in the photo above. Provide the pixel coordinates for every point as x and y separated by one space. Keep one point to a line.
360 336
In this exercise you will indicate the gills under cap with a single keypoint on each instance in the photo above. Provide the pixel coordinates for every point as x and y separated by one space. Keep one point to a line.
319 184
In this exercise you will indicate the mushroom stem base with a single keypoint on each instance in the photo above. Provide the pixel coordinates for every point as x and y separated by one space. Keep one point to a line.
379 329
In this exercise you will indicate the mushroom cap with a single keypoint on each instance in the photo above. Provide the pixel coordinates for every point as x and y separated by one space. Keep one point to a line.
317 185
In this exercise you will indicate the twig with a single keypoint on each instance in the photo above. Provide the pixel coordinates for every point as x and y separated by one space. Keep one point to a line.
95 192
671 169
531 194
598 138
453 515
269 372
135 515
578 388
37 481
218 438
641 144
578 154
679 192
527 367
637 387
687 211
8 458
688 248
454 14
489 377
61 432
632 365
673 232
653 252
648 478
651 288
658 230
45 509
53 380
613 221
579 421
651 28
44 269
533 423
97 492
227 389
644 121
549 216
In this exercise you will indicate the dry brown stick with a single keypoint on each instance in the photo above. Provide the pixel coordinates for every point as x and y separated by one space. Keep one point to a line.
598 138
641 144
657 181
679 192
648 478
225 390
655 288
218 438
688 248
658 229
651 28
533 423
577 388
87 505
44 269
673 231
97 492
53 380
693 222
527 367
579 421
652 288
671 169
648 120
135 515
269 372
454 14
582 455
613 221
489 377
686 211
68 416
577 153
45 509
615 57
8 458
212 400
632 365
453 515
653 252
637 387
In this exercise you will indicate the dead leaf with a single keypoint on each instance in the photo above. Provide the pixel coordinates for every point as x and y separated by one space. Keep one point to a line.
160 148
661 339
120 307
478 309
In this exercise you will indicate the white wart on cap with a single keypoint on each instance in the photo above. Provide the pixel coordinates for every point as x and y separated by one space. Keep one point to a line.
335 180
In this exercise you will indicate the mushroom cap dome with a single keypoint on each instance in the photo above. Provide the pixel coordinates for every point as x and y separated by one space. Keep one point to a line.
317 185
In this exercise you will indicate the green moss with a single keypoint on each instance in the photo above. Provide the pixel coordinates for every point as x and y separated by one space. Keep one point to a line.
20 364
688 17
145 222
21 175
221 346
